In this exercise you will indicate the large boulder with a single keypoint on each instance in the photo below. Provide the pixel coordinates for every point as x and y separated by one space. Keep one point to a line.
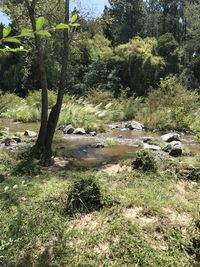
170 137
30 133
69 129
79 131
175 149
134 125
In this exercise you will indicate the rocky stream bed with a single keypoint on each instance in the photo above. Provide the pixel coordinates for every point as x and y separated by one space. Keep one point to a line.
90 149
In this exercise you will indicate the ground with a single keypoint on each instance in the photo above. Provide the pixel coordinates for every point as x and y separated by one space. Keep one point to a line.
148 219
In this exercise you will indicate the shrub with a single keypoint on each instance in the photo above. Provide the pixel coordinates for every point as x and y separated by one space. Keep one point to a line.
171 106
145 161
8 101
98 96
34 99
23 113
84 196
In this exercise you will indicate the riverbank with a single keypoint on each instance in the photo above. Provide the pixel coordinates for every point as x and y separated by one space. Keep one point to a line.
151 219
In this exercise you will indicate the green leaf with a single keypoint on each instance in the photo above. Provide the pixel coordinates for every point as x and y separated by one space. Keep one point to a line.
6 31
12 40
27 32
75 25
62 26
40 23
74 18
44 33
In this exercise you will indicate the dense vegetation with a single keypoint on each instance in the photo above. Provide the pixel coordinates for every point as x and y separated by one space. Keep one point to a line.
130 47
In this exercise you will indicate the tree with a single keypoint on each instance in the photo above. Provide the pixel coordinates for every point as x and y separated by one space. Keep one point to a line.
124 19
138 64
190 74
166 16
168 49
48 124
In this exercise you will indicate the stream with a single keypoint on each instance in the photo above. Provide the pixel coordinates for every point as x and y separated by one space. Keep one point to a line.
80 150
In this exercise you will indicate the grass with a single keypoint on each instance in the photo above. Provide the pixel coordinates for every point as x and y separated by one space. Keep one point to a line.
91 115
152 222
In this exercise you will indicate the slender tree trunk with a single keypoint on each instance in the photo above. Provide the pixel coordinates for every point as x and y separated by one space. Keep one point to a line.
40 144
55 112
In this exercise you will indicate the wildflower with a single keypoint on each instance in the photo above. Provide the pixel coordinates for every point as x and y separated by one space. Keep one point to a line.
15 186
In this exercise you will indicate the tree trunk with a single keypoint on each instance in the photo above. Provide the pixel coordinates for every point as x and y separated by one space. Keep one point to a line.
55 112
40 144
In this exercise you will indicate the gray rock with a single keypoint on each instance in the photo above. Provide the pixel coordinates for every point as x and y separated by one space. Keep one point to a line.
152 147
124 130
92 133
174 148
134 125
146 139
170 137
69 129
126 125
113 127
16 138
30 133
79 131
9 142
100 145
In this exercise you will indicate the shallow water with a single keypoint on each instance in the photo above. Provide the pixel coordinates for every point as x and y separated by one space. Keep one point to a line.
18 127
80 152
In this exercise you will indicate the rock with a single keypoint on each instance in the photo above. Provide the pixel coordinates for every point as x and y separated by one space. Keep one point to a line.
30 133
134 125
9 142
126 125
120 136
16 138
124 130
113 127
92 133
69 129
100 145
175 149
79 131
147 139
152 147
170 137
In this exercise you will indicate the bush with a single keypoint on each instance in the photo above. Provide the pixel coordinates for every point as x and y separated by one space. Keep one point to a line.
8 101
145 161
34 99
171 106
98 96
84 196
